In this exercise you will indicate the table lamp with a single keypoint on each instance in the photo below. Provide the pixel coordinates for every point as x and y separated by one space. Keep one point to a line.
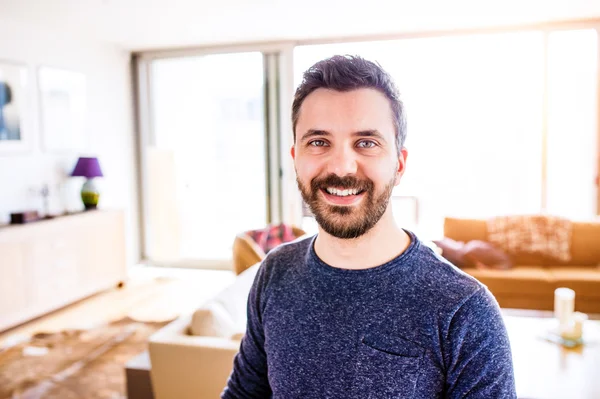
88 168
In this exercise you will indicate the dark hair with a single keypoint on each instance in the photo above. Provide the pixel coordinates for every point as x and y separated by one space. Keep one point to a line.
346 73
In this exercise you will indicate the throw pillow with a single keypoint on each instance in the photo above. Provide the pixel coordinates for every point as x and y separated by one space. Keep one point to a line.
483 255
475 253
212 320
453 251
272 236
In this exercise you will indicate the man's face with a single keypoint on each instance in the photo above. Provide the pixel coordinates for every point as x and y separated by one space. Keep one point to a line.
346 159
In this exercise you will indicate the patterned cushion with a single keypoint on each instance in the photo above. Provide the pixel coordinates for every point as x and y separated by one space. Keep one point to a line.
549 236
272 236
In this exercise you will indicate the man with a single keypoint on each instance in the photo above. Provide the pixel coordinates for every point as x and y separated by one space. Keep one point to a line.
363 309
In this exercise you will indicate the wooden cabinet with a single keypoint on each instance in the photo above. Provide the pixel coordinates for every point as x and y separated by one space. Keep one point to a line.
49 264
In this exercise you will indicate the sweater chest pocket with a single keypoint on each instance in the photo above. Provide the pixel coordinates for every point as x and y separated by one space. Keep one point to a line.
387 366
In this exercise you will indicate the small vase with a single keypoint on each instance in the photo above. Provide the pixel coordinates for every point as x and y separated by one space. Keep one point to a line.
90 194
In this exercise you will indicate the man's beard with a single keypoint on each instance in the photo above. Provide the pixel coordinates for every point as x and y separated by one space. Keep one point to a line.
351 221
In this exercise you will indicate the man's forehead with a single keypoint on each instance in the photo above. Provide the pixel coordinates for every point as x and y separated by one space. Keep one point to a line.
345 112
348 97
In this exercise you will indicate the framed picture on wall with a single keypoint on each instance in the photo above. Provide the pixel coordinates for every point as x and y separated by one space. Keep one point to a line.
63 95
15 117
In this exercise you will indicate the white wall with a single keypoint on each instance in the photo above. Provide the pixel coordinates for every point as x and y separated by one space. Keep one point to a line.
109 127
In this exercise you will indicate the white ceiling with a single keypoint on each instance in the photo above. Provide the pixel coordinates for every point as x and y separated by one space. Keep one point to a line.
155 24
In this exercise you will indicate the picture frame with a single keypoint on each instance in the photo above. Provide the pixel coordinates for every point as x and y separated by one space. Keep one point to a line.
15 108
63 102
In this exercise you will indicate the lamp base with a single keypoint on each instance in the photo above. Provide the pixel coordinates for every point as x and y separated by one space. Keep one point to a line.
90 195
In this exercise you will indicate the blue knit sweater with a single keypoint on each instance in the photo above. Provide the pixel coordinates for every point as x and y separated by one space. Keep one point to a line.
414 327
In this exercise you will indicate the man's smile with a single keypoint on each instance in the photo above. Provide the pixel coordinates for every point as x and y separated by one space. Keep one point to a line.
336 196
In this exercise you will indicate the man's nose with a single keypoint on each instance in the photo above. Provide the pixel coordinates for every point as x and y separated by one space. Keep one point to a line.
342 162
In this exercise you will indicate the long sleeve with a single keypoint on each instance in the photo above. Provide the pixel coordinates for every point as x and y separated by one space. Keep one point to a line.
249 378
478 357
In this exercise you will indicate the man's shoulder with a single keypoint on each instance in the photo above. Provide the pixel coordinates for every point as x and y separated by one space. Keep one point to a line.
440 279
285 258
290 252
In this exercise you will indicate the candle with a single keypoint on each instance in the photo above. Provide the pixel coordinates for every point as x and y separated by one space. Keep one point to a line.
564 306
578 322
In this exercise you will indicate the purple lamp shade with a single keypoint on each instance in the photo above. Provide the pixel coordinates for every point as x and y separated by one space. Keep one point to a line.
87 167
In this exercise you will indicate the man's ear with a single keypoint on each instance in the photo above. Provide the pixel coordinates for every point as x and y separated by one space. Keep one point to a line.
401 165
293 152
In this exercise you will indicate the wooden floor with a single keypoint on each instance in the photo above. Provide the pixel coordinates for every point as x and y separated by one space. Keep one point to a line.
150 294
157 294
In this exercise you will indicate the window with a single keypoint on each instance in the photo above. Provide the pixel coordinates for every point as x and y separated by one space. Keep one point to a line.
498 123
475 112
572 123
206 162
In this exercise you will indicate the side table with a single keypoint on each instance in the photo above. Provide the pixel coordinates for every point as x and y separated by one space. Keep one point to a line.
137 376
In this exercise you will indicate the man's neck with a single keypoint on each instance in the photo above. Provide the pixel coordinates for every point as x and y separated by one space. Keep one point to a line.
382 243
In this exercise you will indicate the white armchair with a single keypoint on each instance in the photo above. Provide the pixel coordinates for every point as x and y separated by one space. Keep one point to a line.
186 366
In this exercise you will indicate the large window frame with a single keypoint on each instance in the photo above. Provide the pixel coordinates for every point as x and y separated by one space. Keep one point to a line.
280 199
285 204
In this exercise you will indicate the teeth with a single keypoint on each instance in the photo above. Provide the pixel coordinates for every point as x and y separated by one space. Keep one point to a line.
341 193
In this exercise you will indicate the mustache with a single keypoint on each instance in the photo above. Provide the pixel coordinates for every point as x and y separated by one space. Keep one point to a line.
346 182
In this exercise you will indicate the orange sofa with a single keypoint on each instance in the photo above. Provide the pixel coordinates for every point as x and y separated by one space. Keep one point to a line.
530 284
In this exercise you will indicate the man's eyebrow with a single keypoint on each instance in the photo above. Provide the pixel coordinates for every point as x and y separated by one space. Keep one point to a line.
370 133
361 133
314 132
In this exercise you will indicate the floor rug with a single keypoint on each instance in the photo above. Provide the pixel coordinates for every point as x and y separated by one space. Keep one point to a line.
74 363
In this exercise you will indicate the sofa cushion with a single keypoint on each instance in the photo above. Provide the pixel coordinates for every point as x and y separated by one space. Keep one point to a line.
465 229
484 255
452 251
272 236
585 247
520 280
234 298
225 314
473 254
212 320
585 281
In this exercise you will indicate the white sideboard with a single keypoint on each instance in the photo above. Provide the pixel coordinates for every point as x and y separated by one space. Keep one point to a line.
48 264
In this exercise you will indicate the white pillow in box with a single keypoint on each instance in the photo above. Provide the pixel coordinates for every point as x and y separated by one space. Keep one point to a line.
212 320
225 315
234 298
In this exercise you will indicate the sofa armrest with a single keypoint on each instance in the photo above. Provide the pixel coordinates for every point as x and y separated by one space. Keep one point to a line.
185 366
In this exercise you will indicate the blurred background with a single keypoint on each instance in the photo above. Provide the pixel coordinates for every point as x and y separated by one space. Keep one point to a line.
186 105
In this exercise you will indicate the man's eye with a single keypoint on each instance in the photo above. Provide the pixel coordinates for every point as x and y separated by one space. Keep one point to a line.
366 144
317 143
